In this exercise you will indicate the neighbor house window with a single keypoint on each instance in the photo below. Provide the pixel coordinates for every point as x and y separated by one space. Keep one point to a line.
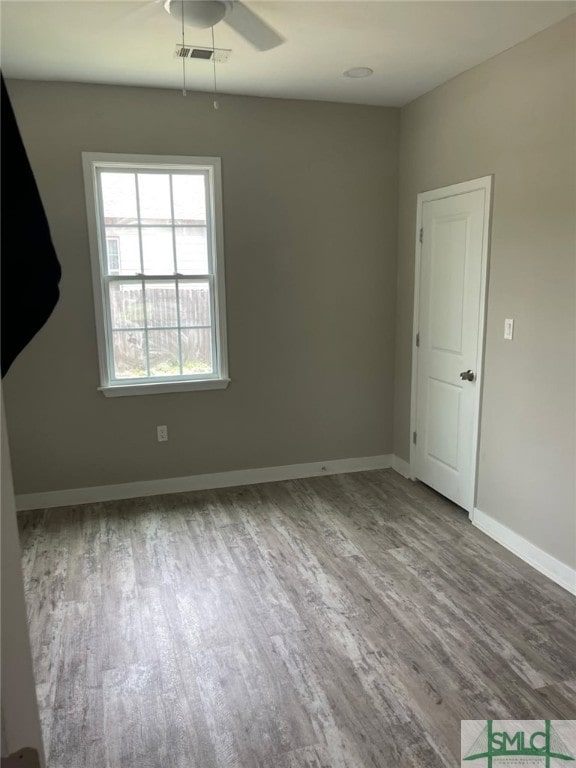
157 264
113 251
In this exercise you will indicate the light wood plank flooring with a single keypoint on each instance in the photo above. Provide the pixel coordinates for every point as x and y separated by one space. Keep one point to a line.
336 622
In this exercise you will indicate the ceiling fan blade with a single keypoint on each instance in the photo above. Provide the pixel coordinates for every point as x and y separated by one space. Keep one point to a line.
252 27
125 18
141 13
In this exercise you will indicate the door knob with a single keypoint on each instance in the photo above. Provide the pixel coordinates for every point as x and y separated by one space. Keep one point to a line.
467 375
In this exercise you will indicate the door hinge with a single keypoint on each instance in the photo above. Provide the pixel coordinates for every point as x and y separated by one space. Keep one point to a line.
414 437
421 234
418 339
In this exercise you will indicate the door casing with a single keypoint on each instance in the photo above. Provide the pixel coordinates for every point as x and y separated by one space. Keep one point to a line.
485 183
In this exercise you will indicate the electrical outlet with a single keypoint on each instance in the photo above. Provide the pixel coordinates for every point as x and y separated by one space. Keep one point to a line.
162 434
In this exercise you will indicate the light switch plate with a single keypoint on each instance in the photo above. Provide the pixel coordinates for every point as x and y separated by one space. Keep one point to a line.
508 329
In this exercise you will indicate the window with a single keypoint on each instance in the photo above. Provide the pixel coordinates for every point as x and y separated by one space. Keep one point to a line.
156 243
113 250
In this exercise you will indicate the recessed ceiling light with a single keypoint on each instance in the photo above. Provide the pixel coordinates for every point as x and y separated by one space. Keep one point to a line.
359 72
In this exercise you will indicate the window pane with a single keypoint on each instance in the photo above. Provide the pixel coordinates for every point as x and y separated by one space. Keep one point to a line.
113 252
129 354
158 250
196 351
119 198
164 353
154 196
189 198
161 307
126 305
123 251
192 250
194 303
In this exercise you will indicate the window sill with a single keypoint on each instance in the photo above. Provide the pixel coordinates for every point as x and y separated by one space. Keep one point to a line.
162 387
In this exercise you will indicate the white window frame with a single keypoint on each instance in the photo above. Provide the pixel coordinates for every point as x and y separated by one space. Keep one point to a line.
211 166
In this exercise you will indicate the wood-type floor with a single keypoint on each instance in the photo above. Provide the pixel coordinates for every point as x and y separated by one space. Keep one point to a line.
337 622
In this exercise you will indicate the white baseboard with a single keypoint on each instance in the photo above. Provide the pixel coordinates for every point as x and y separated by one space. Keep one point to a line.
98 493
554 569
401 466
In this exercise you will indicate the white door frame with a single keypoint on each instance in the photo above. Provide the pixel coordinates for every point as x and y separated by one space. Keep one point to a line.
484 183
20 720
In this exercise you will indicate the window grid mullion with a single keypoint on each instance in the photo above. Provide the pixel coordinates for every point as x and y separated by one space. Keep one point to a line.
146 341
176 274
167 328
136 277
157 226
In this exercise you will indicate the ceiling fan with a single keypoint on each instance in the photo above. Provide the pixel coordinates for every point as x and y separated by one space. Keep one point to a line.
207 13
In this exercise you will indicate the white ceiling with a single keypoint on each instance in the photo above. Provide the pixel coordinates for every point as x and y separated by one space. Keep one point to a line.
411 46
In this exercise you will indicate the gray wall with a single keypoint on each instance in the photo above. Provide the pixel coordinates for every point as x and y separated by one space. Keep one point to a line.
514 117
310 200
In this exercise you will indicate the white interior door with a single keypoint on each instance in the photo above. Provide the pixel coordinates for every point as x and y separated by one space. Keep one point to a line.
449 320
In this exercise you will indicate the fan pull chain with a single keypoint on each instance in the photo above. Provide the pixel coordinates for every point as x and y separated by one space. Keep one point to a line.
216 102
183 58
